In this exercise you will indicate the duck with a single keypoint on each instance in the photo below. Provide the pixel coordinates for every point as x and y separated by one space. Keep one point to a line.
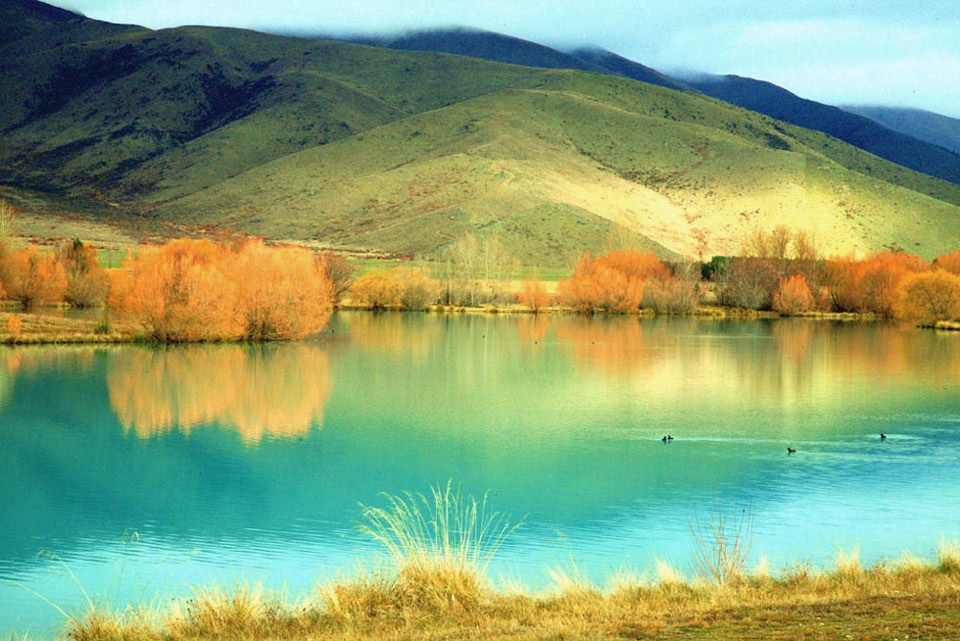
883 436
669 438
664 439
790 450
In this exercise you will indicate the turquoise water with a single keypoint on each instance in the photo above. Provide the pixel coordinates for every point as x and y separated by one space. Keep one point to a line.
132 474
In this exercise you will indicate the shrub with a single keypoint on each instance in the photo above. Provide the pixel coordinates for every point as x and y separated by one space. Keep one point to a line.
33 278
612 283
793 296
748 283
672 295
282 292
339 272
87 283
880 275
949 262
870 285
417 290
399 287
927 297
534 295
193 290
14 325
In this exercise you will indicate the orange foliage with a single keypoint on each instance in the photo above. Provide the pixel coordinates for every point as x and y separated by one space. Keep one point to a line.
282 292
793 296
949 262
927 297
33 278
87 283
534 295
611 283
193 290
399 287
14 325
870 285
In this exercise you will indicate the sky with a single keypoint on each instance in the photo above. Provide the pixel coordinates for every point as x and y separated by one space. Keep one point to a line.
894 53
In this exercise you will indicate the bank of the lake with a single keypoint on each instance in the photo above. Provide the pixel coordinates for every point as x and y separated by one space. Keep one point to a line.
51 328
904 599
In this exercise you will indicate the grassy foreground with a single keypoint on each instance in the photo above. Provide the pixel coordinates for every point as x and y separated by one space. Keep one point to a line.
439 589
906 600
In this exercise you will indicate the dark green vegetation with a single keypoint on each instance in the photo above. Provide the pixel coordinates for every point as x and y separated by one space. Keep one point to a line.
498 47
912 147
359 147
923 125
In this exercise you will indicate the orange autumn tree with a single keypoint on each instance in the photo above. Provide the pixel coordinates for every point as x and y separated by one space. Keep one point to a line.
949 262
87 283
196 290
533 294
33 278
179 292
870 285
282 292
612 283
928 297
793 296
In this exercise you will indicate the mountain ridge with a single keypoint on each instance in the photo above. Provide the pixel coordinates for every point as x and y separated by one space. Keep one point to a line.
354 146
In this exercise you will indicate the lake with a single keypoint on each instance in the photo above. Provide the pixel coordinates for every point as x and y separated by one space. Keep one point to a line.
134 473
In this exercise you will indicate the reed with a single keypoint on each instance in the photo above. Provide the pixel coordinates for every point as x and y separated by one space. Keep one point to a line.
441 545
722 543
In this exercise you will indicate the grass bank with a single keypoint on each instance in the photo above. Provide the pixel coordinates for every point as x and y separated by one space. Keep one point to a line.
438 588
34 329
906 599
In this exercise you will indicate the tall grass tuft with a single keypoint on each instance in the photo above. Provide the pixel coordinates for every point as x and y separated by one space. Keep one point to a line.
949 556
442 545
102 623
216 612
721 546
848 565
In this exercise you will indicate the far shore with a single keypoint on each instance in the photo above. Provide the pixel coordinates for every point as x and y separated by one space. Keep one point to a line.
46 328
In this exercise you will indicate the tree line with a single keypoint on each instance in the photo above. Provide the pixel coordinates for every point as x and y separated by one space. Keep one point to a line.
193 290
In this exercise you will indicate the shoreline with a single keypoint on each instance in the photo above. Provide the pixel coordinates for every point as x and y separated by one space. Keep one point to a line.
903 598
45 329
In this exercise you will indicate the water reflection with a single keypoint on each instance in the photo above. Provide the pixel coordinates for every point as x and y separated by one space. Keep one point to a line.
256 390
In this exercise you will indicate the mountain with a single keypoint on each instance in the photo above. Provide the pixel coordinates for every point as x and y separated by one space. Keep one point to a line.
372 149
620 66
777 102
486 45
497 47
918 123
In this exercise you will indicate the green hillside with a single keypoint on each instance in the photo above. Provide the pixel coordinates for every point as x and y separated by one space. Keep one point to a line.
568 164
359 147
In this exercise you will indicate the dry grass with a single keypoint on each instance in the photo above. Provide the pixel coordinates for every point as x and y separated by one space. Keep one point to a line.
47 328
377 606
441 544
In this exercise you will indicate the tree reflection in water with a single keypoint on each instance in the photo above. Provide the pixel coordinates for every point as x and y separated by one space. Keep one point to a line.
263 390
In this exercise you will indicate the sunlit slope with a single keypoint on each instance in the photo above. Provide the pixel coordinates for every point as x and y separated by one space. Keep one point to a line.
564 166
